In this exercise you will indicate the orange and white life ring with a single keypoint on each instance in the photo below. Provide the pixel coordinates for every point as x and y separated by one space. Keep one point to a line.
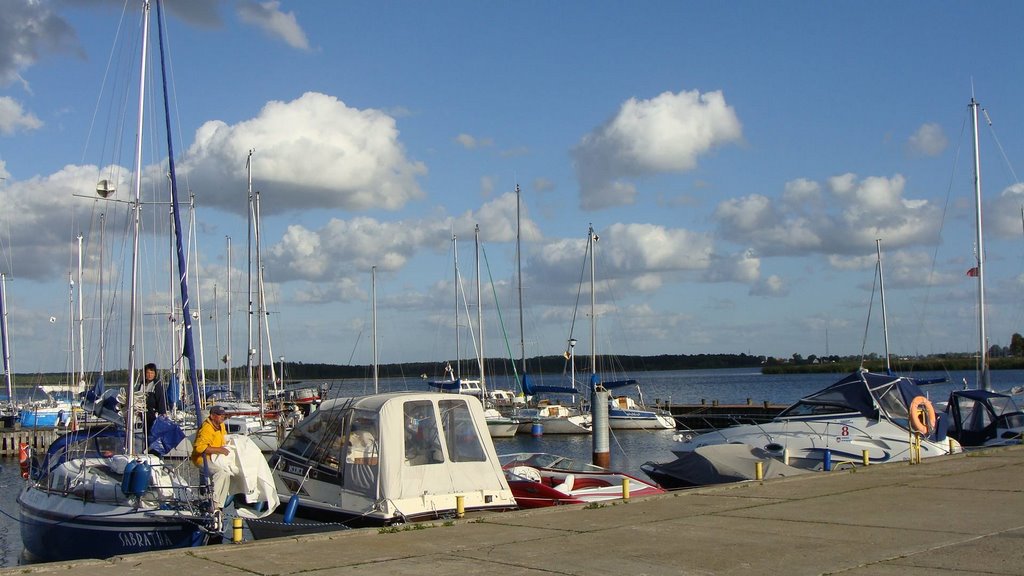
922 415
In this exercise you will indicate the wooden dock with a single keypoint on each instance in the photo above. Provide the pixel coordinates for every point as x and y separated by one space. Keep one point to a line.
713 415
39 439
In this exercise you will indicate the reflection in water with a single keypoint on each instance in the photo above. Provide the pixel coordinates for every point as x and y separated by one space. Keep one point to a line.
10 533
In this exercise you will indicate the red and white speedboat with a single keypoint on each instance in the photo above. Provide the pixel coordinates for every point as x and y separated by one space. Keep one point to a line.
538 480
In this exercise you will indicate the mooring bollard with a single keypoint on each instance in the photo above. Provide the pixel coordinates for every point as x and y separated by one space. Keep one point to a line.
625 489
759 470
460 507
236 529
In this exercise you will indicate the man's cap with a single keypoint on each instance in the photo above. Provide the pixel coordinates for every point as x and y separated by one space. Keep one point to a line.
219 410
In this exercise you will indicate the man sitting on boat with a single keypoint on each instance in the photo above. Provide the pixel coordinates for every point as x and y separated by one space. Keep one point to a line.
209 449
235 466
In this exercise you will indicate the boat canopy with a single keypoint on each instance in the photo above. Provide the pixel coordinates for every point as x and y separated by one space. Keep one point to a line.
393 451
866 393
979 414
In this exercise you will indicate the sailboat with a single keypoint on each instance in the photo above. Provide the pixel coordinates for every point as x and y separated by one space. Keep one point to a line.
107 497
982 417
624 412
452 380
543 415
498 425
246 418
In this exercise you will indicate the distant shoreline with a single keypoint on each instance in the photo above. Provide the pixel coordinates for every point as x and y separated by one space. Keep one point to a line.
300 371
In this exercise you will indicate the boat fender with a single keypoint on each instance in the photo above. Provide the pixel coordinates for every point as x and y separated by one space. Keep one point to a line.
140 478
24 461
126 476
922 415
291 508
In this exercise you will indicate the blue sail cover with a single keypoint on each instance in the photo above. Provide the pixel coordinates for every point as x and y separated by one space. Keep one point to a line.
530 388
618 384
446 385
164 435
174 393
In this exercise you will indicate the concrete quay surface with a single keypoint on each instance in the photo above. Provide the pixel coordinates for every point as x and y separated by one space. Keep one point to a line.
961 514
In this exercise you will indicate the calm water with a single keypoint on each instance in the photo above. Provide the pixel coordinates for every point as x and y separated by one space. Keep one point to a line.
629 449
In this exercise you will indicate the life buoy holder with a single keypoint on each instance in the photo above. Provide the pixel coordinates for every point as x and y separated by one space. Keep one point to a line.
922 416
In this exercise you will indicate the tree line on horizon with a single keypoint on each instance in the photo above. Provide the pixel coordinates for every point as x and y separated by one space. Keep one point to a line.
1000 357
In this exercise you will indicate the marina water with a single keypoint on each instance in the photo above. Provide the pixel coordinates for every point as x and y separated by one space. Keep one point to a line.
629 449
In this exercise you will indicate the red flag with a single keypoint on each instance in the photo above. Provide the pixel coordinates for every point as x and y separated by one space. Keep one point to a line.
973 271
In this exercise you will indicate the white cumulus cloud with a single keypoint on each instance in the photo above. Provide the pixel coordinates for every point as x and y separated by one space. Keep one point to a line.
312 152
667 133
852 213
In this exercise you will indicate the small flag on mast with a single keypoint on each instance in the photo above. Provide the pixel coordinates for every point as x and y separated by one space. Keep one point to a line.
973 272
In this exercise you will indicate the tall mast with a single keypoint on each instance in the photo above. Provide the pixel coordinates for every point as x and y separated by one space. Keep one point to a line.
881 289
261 320
458 349
199 298
102 324
81 321
479 312
8 375
251 207
216 328
983 379
373 307
519 276
227 356
591 239
264 313
136 216
188 347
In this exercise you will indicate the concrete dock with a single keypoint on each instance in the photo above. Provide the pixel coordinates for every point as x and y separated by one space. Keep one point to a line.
960 514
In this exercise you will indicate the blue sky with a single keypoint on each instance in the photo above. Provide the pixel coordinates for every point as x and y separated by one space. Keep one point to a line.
737 159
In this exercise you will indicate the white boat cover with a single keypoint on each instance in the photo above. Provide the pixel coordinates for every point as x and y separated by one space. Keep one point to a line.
721 463
251 477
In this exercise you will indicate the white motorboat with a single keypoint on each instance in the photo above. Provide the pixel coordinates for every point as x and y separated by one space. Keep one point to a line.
865 412
385 459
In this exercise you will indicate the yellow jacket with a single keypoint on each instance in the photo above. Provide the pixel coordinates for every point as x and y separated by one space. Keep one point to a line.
208 435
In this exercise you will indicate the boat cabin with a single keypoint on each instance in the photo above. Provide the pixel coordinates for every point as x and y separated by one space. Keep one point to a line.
389 458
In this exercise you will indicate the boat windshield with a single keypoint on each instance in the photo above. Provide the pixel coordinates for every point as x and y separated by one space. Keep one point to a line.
461 437
548 461
865 393
318 437
848 395
1004 405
